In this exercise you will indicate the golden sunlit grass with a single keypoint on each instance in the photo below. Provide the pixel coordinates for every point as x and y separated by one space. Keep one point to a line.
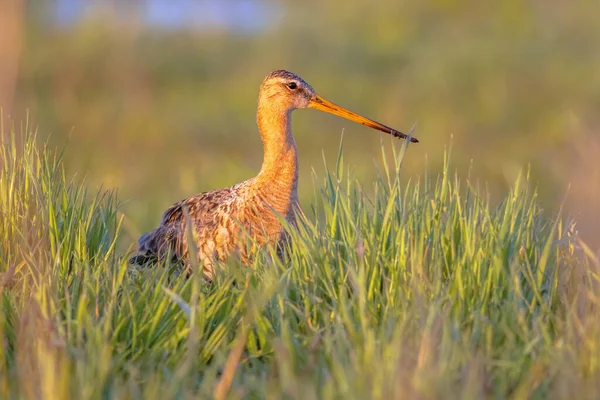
421 290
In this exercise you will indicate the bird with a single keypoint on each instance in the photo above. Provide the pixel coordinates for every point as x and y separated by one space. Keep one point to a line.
221 221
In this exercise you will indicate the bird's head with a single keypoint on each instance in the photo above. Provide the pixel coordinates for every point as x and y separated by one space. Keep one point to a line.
286 91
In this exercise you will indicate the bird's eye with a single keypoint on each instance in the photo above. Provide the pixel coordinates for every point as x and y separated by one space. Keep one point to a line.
292 85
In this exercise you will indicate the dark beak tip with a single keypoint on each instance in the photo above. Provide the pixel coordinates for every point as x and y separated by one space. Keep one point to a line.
414 140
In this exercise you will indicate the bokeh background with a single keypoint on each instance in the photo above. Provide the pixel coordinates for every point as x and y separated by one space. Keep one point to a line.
157 98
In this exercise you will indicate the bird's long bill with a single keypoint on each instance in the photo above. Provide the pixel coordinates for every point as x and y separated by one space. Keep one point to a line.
319 103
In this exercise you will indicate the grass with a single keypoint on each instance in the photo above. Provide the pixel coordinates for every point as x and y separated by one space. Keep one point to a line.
420 290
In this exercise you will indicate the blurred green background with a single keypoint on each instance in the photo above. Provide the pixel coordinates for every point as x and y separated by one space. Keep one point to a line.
158 97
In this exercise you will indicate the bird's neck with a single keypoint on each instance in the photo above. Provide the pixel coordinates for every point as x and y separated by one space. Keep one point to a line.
278 176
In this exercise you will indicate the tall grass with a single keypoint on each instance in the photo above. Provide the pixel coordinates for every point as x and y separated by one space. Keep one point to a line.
421 289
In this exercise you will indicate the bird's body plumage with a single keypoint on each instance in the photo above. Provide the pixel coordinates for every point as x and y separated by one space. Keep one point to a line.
221 221
218 220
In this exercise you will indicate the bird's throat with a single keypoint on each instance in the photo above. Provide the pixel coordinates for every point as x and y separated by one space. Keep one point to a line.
278 177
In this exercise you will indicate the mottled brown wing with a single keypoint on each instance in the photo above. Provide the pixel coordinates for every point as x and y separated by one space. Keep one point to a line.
164 239
171 236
